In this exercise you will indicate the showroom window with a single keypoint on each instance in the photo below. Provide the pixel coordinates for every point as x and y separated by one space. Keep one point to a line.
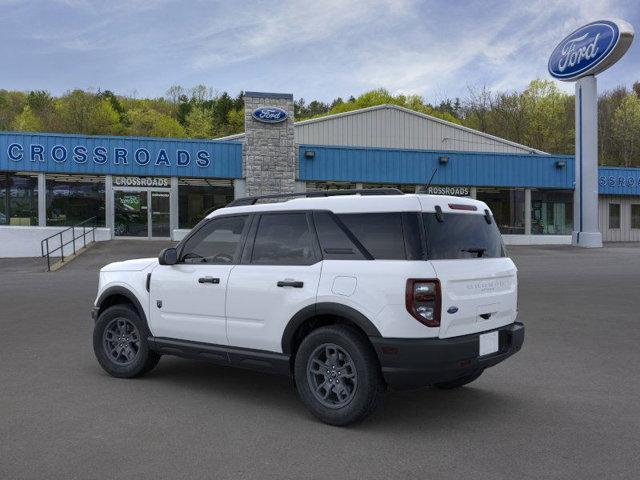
198 197
406 188
507 206
551 212
635 215
18 199
72 199
319 186
614 215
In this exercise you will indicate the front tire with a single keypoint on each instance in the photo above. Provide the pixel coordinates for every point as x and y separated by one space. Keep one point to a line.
337 375
120 343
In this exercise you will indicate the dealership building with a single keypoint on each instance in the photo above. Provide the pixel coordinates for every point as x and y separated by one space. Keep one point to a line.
160 188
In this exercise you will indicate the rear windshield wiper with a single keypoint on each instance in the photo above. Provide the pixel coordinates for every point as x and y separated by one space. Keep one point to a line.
477 250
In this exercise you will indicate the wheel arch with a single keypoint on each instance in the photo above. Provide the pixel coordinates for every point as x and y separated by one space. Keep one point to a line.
321 314
117 295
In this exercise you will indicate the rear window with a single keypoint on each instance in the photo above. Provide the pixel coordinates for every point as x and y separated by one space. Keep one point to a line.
462 235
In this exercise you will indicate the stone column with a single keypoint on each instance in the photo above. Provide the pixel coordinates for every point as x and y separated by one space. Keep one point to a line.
269 161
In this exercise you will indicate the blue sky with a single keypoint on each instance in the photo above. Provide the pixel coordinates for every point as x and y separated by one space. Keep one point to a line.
315 50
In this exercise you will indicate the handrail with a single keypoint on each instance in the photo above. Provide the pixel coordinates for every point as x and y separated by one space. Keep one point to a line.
86 230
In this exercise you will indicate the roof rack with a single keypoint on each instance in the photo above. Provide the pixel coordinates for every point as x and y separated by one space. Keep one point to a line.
240 202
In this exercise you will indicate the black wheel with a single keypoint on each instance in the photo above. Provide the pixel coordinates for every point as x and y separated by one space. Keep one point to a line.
338 375
459 382
120 343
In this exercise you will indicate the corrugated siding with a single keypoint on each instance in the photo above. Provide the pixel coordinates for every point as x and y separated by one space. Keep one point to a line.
416 166
393 128
225 157
619 181
625 233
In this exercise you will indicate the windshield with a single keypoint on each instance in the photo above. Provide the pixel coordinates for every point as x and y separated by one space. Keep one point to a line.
462 235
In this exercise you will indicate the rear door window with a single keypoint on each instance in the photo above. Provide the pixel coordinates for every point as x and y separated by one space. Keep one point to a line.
334 241
462 235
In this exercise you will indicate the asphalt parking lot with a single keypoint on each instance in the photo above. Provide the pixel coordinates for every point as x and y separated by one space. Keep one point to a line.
567 406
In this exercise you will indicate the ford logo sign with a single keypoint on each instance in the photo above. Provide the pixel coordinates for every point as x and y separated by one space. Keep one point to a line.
270 114
590 49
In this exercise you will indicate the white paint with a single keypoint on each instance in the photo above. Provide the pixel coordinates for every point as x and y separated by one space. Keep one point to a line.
585 200
537 239
25 241
190 310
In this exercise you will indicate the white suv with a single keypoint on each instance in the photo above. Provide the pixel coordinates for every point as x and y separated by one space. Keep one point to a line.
347 292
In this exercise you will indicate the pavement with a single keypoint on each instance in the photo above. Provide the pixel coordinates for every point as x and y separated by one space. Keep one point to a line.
566 407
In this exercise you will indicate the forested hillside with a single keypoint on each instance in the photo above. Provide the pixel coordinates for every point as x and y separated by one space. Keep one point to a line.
541 116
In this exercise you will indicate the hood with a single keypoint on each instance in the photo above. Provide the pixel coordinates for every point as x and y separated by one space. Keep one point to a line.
130 265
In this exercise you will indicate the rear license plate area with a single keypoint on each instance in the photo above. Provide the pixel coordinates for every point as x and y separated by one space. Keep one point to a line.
489 343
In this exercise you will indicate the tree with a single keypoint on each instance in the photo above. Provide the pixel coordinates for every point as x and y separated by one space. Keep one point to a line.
198 123
147 122
104 120
11 105
75 109
27 121
625 129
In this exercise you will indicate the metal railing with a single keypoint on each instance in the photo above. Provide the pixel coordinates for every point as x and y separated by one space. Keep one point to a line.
87 227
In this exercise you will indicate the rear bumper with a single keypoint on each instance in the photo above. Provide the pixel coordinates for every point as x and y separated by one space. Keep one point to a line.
408 362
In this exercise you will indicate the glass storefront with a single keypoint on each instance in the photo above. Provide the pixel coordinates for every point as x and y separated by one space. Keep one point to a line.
507 205
319 186
72 199
406 188
18 199
551 212
197 197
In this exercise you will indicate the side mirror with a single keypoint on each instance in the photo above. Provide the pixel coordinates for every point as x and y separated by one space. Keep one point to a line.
168 256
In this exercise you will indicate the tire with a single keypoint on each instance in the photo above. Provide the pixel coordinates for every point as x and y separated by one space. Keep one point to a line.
352 391
131 358
458 382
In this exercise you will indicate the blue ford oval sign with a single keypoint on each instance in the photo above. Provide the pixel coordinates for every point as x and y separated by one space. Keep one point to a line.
270 114
590 49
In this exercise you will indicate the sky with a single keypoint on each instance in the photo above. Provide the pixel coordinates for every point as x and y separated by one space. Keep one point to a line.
315 50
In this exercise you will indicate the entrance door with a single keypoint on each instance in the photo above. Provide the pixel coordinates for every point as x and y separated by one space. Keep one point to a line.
141 213
160 226
131 211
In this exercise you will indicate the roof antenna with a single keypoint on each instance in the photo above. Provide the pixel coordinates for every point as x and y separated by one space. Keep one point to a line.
426 188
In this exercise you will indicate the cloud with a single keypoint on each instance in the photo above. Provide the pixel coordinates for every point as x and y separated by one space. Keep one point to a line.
317 49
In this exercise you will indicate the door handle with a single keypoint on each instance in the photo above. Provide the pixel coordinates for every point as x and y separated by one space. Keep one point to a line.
215 281
291 283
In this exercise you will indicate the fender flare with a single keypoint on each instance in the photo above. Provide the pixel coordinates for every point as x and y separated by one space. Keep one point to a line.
125 292
326 308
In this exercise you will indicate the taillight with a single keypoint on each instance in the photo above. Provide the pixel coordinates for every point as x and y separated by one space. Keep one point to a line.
423 301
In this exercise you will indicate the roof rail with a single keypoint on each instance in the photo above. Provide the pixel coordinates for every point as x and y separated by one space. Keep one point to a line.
240 202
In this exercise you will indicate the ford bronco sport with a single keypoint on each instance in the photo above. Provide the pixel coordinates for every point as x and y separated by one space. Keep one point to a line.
346 292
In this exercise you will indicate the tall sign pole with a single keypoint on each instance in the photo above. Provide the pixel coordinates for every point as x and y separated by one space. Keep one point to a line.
578 58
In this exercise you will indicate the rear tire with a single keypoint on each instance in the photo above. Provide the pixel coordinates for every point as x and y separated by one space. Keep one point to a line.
458 382
120 343
337 375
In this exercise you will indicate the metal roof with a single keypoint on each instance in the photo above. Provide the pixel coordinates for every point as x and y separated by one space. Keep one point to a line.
392 126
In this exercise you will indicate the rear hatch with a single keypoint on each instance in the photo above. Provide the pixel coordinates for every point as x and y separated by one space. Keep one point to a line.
478 281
